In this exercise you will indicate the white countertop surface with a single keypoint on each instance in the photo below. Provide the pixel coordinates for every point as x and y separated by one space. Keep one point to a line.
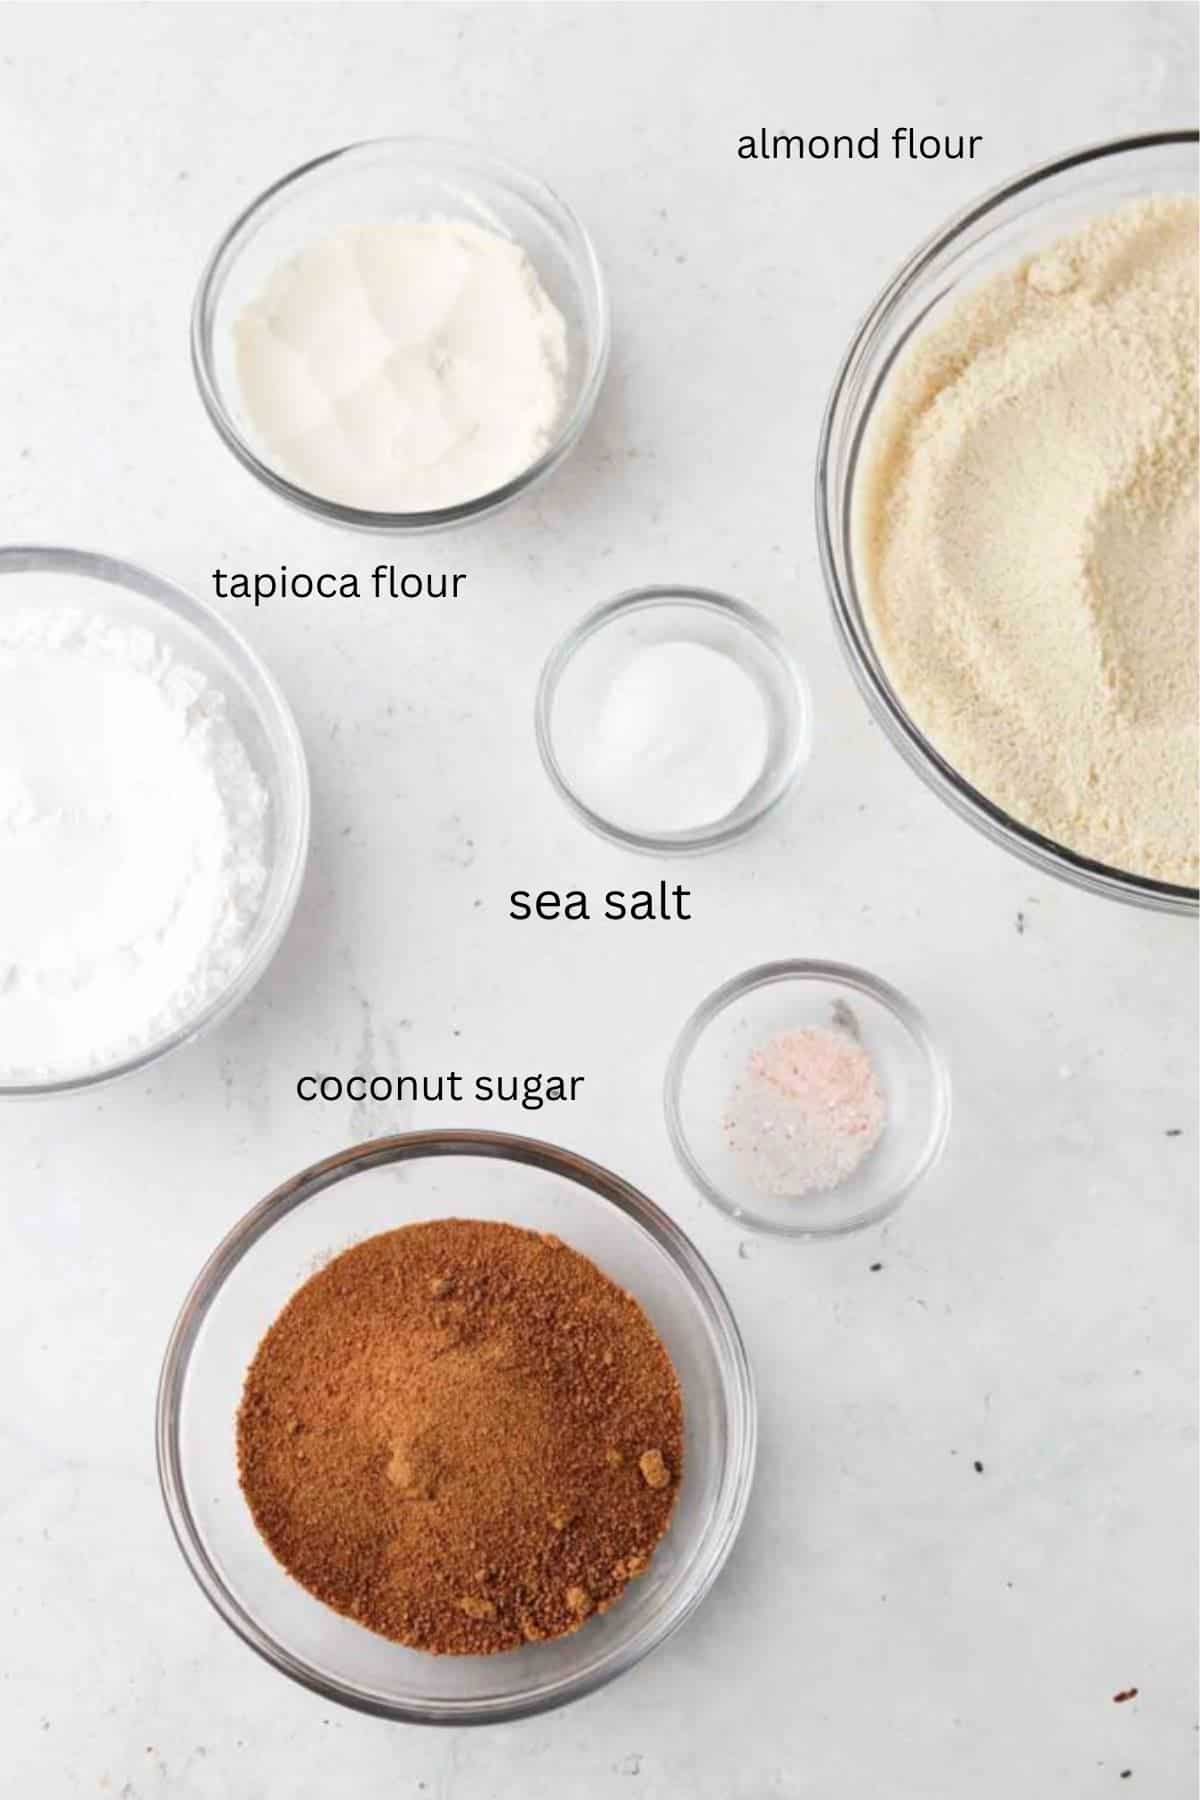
892 1625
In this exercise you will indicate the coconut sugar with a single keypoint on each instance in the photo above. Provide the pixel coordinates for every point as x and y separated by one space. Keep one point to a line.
462 1435
1028 537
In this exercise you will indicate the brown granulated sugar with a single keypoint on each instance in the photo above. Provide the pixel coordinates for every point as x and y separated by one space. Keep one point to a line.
463 1435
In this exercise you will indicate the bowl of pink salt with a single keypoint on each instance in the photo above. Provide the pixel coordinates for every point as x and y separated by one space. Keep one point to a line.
807 1098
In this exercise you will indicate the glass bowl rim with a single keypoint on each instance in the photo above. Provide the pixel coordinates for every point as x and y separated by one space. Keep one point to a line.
737 1385
859 981
584 261
646 599
115 571
849 613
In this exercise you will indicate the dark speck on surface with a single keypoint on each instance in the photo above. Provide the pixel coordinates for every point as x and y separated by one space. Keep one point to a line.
1125 1774
1175 1131
978 1467
1125 1694
1020 924
875 1268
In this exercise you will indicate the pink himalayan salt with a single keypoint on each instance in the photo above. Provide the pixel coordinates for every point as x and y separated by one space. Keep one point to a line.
806 1113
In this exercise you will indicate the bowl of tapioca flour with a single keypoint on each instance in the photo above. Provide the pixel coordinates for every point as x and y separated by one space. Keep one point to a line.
153 819
1007 501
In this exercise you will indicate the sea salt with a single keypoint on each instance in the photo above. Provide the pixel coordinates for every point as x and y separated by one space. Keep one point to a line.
807 1112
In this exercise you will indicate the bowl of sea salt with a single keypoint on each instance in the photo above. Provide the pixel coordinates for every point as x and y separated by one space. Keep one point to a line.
672 719
807 1098
153 818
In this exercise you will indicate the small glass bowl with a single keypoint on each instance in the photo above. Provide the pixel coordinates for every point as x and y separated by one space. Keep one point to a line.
391 179
744 1014
576 678
376 1187
202 640
989 235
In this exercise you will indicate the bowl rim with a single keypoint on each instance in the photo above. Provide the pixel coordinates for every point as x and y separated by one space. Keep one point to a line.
97 565
859 981
223 256
849 612
647 599
737 1388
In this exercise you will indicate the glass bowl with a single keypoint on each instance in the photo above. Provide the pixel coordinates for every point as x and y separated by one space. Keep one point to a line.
375 1187
711 1056
389 179
264 722
578 672
987 236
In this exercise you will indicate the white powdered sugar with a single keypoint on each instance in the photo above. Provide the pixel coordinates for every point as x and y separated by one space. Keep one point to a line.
133 843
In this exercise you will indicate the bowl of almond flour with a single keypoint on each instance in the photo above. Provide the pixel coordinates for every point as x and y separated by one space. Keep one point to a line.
153 819
1007 512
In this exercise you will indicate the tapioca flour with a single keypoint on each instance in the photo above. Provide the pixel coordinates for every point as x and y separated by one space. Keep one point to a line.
133 842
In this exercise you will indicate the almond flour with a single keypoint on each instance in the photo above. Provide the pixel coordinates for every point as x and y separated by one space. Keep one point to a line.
1028 536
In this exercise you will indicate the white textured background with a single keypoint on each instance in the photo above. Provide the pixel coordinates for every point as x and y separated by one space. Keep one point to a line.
892 1626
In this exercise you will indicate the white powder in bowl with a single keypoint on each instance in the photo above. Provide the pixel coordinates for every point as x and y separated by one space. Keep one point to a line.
133 834
404 367
680 738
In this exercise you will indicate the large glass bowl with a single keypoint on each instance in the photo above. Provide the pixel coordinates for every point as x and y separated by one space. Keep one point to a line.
990 235
376 1187
372 183
202 640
